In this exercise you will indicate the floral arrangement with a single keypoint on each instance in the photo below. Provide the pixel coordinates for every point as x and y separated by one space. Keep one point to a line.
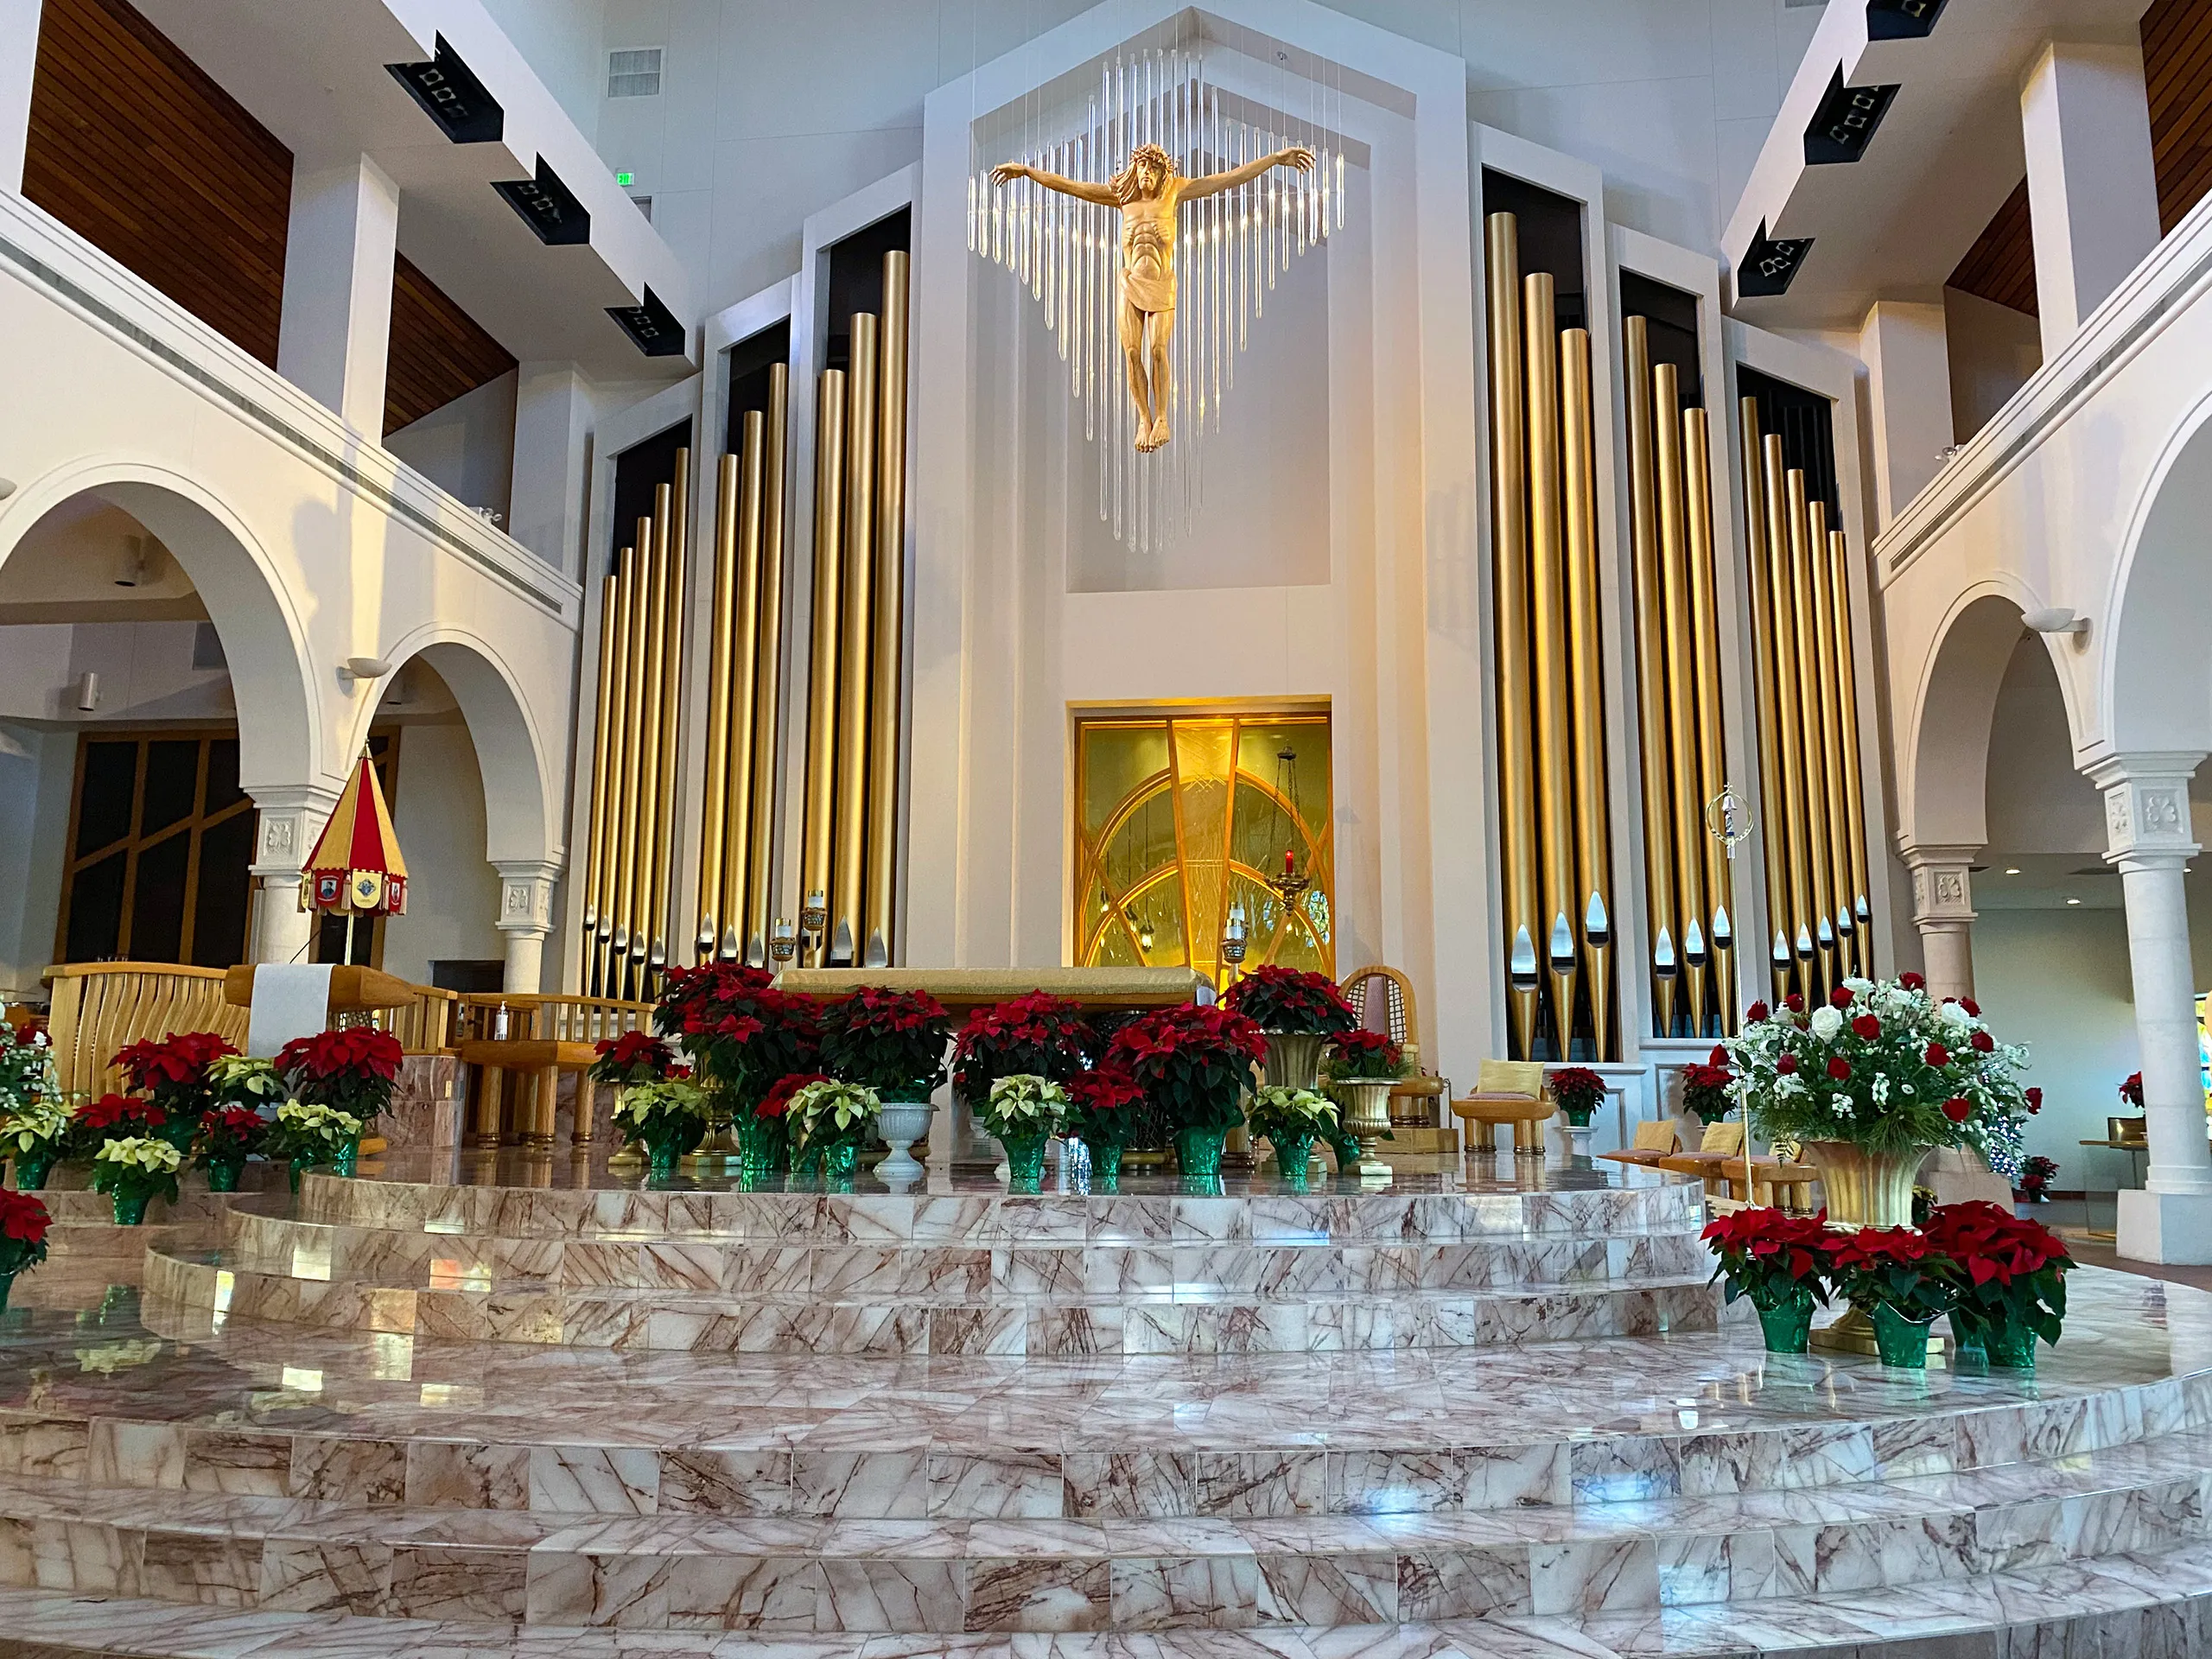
172 1071
116 1118
23 1221
830 1121
741 1033
2012 1273
1773 1257
1706 1089
1361 1056
1894 1268
1578 1092
1105 1108
2131 1091
353 1069
634 1056
228 1136
307 1132
1884 1066
2035 1176
1283 1116
1023 1106
1192 1063
1288 1000
34 1122
886 1039
239 1080
1038 1035
134 1168
667 1116
775 1105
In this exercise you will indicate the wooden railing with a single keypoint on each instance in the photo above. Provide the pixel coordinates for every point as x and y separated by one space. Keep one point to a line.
99 1006
424 1027
547 1018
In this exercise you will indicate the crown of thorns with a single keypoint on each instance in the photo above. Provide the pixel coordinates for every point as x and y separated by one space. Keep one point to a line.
1123 183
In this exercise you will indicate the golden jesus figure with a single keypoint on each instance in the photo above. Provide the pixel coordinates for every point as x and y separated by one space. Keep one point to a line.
1148 191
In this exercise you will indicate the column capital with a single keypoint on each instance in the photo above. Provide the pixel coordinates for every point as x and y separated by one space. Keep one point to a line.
526 895
1942 883
2147 807
291 815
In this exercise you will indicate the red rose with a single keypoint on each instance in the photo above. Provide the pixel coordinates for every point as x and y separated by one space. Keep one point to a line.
1718 1057
1786 1065
1794 1002
1840 1069
1971 1006
1839 997
2035 1100
1755 1014
1983 1042
1866 1025
1957 1109
1912 981
1937 1055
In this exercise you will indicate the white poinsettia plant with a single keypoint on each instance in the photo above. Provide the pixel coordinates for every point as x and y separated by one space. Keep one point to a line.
32 1112
1282 1112
245 1080
308 1131
830 1114
1024 1104
1884 1066
141 1154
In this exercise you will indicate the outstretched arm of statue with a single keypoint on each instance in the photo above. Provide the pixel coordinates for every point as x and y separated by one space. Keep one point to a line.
1212 184
1006 172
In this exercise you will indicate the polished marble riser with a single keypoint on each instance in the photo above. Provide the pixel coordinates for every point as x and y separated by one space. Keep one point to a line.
955 1273
991 1218
1018 1571
1220 1322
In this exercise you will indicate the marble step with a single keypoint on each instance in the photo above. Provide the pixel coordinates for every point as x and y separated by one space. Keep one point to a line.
993 1217
243 1285
840 1270
1007 1571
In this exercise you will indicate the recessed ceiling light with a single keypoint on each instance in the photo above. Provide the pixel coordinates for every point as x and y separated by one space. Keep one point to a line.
2013 871
2073 901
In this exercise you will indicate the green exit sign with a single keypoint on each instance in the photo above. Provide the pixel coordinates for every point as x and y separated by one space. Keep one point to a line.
625 180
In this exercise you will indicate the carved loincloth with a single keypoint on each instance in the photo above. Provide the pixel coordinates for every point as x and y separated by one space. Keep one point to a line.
1147 267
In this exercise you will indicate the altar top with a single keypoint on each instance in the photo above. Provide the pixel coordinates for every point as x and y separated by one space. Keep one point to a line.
962 988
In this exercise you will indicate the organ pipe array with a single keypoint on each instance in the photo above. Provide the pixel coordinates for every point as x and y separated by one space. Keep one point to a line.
629 862
744 683
1678 697
1552 817
1811 791
855 676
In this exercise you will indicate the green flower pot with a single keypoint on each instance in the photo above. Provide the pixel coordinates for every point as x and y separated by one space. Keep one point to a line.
1788 1329
7 1284
1969 1337
31 1170
129 1207
347 1157
1901 1341
223 1177
1197 1153
761 1149
1293 1153
2011 1347
1106 1168
1025 1160
660 1159
838 1163
297 1165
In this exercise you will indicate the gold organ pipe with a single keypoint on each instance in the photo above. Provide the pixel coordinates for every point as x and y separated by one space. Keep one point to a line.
1548 613
653 533
767 699
1712 756
1510 537
639 561
848 866
822 674
1771 823
1854 788
1651 672
618 738
1586 680
596 861
1789 704
712 824
1808 698
1681 685
672 691
890 616
1831 743
743 776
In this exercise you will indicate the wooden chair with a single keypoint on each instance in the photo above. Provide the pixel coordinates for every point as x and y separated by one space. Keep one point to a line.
1721 1142
99 1006
1509 1091
1418 1100
538 1038
1655 1139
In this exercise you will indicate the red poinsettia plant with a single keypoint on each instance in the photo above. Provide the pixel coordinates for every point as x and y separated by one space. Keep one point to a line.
353 1070
885 1038
634 1056
22 1233
1894 1268
1360 1056
118 1117
1107 1108
1034 1035
1578 1092
1192 1063
2010 1272
230 1135
1292 1002
2037 1174
2131 1091
1772 1256
1705 1088
172 1071
775 1105
741 1033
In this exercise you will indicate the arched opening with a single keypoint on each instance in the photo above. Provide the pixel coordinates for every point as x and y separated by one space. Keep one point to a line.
2158 670
1944 797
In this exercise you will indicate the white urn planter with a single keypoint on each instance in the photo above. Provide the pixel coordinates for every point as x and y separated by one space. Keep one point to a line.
902 1122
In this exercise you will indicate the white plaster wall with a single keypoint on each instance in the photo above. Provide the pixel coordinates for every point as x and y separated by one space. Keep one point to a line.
1994 351
467 446
560 40
453 893
2057 981
145 670
771 111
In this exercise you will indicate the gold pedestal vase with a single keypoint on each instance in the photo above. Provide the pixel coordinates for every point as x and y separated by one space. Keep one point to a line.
1864 1188
1366 1107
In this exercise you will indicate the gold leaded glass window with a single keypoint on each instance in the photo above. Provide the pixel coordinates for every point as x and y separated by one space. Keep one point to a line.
1180 818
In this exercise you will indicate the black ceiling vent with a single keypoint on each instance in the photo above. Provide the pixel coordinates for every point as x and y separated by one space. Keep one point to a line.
1901 20
652 327
549 207
451 95
1844 124
1771 266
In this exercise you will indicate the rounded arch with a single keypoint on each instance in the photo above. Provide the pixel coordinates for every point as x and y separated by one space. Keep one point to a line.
2156 671
521 799
264 641
1944 795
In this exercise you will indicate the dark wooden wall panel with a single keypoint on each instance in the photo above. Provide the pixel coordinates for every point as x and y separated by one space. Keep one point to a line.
437 351
2001 264
135 148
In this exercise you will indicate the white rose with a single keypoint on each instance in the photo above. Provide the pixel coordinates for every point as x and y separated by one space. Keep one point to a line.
1858 986
1827 1021
1952 1014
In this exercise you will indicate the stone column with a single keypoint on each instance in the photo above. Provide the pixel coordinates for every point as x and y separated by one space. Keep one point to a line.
2147 832
525 917
553 424
18 64
1942 909
2093 189
335 337
292 815
1907 352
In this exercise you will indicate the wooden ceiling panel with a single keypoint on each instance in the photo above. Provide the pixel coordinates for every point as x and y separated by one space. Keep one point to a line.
438 352
2001 264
